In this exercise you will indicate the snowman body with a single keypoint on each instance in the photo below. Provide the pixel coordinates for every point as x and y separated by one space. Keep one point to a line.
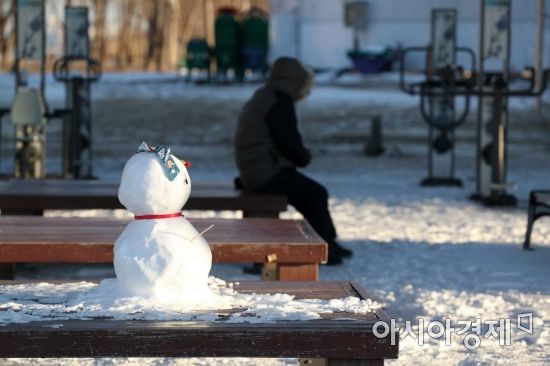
160 254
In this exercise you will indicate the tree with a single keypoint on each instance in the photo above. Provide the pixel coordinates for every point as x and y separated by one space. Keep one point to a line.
158 17
124 55
7 36
99 41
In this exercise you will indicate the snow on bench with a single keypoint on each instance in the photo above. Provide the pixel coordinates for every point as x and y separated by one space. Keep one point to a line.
35 196
328 320
291 248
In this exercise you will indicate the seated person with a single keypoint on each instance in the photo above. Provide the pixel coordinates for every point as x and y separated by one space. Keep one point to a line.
269 148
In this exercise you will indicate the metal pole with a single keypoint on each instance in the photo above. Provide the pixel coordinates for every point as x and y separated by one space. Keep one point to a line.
441 56
539 51
498 150
43 55
480 82
42 132
16 64
297 31
507 59
1 144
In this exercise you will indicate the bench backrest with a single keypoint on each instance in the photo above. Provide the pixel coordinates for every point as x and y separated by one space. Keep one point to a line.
46 194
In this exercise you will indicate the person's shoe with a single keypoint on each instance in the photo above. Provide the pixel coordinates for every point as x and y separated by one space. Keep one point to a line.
341 251
334 260
333 257
238 183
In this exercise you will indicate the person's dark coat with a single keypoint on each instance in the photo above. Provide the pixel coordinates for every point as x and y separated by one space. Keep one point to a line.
267 138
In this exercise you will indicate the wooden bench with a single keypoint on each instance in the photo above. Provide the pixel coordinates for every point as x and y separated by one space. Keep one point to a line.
337 341
18 196
539 206
290 249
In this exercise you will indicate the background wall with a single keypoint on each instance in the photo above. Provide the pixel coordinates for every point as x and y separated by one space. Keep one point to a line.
314 31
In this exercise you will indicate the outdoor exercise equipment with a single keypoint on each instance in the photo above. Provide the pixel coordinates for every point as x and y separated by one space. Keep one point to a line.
77 70
255 41
491 84
227 31
375 145
3 112
29 112
447 80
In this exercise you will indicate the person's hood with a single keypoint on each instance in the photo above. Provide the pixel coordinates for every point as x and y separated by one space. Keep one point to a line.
289 76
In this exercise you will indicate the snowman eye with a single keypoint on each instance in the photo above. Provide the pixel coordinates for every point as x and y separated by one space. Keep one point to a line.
186 181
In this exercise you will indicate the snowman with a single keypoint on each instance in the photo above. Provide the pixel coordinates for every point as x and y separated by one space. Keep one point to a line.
159 255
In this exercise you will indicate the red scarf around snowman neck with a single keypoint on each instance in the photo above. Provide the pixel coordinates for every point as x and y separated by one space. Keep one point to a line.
155 217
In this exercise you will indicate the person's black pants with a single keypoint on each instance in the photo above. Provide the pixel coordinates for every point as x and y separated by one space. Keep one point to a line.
307 196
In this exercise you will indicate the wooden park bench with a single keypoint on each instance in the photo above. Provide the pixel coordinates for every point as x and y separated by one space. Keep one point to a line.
539 206
290 249
337 339
19 196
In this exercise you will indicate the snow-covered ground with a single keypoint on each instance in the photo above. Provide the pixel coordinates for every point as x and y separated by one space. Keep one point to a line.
426 254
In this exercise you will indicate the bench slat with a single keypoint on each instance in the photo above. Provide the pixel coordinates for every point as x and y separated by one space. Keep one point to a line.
56 194
307 339
85 240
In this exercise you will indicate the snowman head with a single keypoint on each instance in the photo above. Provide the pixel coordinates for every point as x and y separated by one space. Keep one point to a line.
154 182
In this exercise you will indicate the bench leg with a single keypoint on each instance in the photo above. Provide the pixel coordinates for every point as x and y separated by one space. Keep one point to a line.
269 272
290 272
7 271
530 221
298 272
339 362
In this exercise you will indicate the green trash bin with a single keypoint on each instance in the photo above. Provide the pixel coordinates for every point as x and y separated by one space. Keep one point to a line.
227 33
198 56
255 42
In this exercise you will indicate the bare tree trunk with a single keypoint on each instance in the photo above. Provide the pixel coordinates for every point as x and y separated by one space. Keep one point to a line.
100 41
171 33
191 22
5 38
166 38
157 20
152 16
124 55
209 9
137 41
186 12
